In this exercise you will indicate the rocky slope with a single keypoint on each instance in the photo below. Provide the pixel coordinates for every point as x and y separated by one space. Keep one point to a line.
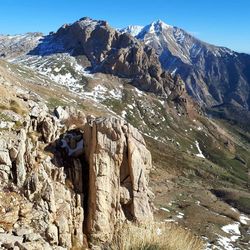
213 75
17 45
191 156
66 178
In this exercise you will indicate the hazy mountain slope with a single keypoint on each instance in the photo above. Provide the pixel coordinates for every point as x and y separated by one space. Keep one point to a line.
17 45
213 75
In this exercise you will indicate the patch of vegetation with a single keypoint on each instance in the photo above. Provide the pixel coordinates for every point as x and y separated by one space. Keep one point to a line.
244 204
55 102
14 106
116 105
18 125
155 236
4 117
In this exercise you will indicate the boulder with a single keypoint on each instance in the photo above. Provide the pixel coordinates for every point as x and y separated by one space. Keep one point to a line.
61 113
5 157
52 234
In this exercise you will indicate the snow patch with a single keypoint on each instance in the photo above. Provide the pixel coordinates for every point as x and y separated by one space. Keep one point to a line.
124 113
200 154
244 219
232 229
139 92
226 243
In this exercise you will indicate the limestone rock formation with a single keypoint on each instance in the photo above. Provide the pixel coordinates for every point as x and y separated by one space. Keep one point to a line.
60 187
118 175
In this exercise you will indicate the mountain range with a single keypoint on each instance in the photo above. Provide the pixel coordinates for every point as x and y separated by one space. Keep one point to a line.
101 127
214 76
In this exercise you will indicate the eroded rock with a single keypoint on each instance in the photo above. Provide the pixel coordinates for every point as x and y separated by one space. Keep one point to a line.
117 156
75 185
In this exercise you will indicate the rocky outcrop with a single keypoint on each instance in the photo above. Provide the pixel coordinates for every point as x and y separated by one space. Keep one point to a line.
61 187
118 176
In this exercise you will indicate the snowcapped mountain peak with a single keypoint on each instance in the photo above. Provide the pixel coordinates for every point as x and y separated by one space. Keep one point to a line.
155 28
134 30
160 23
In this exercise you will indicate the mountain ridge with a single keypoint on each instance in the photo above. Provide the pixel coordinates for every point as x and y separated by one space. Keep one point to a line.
56 85
213 75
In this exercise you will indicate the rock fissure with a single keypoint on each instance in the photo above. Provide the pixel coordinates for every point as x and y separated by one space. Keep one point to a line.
78 184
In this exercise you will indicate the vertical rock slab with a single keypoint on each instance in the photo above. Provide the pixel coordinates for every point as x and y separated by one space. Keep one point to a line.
20 160
118 173
140 162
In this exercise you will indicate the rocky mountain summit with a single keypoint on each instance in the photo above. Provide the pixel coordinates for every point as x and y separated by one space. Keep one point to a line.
103 49
213 75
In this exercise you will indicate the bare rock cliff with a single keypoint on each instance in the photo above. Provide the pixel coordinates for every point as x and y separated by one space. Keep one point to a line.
65 186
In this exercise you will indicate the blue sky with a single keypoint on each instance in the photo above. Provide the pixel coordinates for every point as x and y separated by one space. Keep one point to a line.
220 22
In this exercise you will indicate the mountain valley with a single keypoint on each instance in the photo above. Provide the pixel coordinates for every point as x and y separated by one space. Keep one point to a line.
160 126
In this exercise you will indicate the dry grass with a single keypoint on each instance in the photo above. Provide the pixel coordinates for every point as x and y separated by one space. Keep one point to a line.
156 236
75 122
15 106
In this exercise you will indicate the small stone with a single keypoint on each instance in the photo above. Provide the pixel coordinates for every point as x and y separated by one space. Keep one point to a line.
52 234
32 237
5 158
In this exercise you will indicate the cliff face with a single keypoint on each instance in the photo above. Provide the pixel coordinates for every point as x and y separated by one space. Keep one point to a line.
118 176
66 179
112 52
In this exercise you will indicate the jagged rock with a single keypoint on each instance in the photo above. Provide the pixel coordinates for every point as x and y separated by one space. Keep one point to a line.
37 109
117 156
49 129
5 172
105 160
5 157
52 234
61 113
20 161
